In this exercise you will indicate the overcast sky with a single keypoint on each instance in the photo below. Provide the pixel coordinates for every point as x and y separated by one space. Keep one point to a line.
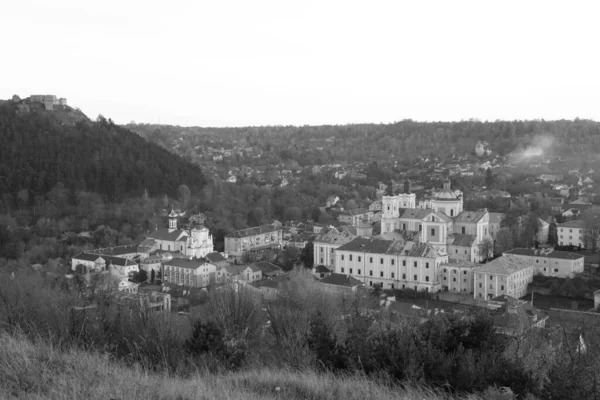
256 62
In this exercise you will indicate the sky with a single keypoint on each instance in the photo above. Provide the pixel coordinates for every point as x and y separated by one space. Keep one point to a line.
284 62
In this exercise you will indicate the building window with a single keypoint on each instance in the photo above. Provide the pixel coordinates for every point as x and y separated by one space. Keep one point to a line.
392 261
445 278
445 270
392 285
359 258
465 280
350 270
342 270
432 231
321 260
501 287
415 277
381 261
392 275
350 257
426 279
456 251
370 283
371 273
480 285
371 260
420 228
404 263
464 272
403 277
381 274
537 261
359 271
490 285
555 269
462 230
342 257
415 263
452 212
453 279
426 265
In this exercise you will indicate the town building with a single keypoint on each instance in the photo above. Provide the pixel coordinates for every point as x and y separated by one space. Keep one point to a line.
320 271
391 263
193 273
193 243
508 275
550 262
328 241
341 283
257 239
269 270
571 233
246 273
355 217
457 276
515 317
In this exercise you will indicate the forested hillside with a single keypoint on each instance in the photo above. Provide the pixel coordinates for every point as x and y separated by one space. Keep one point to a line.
42 148
404 140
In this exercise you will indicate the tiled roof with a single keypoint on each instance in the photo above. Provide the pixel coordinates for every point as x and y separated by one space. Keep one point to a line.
86 257
398 247
572 224
184 263
335 236
414 213
461 264
120 261
549 253
164 234
215 257
505 265
470 216
321 269
267 267
341 280
458 239
257 230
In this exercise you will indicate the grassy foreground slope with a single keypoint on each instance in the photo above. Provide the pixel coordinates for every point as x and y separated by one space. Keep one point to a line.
39 371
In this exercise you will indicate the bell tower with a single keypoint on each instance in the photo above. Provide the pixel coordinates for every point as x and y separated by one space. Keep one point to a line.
172 221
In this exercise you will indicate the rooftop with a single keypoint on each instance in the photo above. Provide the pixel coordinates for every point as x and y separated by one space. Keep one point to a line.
504 265
257 230
458 239
164 234
572 224
549 253
335 236
470 216
341 280
184 263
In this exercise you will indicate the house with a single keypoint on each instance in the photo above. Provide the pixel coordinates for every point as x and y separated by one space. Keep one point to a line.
375 206
550 262
463 247
269 270
578 204
505 275
571 213
195 243
355 217
390 263
328 241
232 179
88 263
321 271
340 174
571 233
128 287
246 273
257 239
192 273
152 265
216 258
341 283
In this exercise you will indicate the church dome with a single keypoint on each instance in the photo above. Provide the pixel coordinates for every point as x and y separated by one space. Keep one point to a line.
446 195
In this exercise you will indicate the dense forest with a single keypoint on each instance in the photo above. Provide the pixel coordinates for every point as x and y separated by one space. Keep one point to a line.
404 140
41 149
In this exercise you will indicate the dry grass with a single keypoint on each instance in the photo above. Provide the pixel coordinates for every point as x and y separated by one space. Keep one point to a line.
39 371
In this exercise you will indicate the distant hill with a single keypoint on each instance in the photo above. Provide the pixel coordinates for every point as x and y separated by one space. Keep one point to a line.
41 148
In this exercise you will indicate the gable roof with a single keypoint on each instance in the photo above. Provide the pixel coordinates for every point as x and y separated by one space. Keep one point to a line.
87 257
185 263
577 223
164 234
458 239
321 269
549 253
341 280
119 261
397 247
267 267
414 213
470 216
504 265
334 236
215 257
